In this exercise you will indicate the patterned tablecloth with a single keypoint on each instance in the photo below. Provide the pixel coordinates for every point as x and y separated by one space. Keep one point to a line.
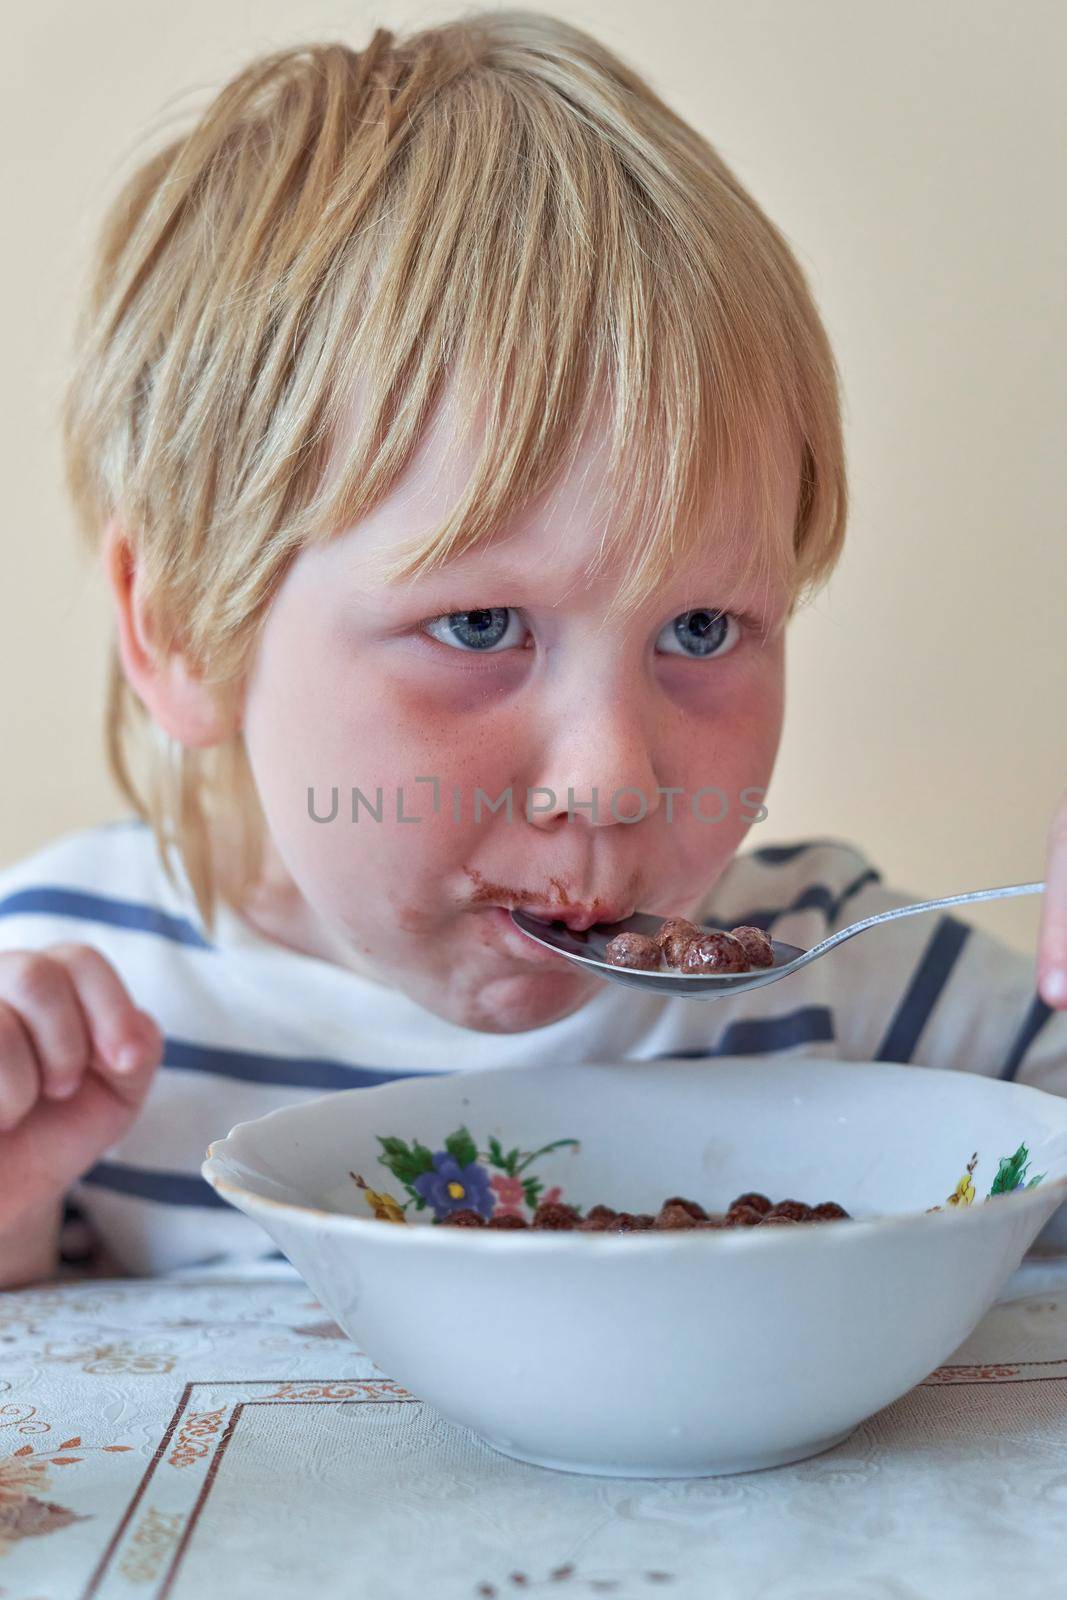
202 1436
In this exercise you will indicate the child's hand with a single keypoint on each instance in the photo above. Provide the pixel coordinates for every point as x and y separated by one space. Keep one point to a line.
1052 944
76 1060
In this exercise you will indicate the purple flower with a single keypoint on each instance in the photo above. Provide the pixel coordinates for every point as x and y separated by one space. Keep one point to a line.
450 1187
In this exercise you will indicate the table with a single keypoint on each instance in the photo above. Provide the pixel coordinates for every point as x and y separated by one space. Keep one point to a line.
208 1435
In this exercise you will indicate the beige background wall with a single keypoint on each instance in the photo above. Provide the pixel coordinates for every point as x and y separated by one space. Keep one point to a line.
913 154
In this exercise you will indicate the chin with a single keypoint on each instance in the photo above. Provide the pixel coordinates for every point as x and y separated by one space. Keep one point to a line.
517 1004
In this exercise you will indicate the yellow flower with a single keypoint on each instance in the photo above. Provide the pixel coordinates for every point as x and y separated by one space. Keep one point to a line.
963 1193
385 1207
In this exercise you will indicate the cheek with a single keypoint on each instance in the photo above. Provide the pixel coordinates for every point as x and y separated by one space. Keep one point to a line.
312 726
731 738
730 755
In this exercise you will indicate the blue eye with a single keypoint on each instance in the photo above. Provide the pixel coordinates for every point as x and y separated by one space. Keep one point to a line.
700 633
491 628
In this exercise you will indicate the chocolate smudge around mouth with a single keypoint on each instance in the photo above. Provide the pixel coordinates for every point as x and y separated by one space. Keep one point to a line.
487 893
415 920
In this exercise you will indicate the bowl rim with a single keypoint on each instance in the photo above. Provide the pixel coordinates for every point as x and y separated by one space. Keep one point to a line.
216 1165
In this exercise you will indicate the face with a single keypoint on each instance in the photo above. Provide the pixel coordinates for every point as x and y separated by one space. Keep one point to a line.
494 674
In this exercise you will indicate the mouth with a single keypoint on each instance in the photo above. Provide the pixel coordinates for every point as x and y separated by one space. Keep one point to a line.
559 905
578 918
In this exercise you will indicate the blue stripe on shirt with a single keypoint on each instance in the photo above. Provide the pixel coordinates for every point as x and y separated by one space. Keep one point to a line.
151 1183
1036 1016
296 1072
754 1036
52 900
923 992
778 855
745 1036
816 897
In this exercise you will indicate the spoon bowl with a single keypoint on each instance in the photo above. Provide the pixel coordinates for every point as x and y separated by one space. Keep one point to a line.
586 949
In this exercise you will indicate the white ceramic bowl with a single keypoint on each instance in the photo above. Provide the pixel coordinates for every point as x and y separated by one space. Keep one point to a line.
657 1354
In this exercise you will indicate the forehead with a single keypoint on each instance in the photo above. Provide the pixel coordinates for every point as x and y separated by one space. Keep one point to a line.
546 546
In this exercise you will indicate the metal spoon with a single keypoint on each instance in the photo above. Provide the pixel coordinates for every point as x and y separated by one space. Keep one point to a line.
586 949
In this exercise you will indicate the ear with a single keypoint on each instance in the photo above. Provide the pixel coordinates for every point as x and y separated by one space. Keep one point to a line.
178 699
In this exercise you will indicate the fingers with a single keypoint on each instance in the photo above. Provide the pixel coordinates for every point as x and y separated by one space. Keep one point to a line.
1052 941
19 1081
122 1038
65 1011
39 989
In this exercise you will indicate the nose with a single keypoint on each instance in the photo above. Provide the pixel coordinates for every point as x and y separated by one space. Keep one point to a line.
597 759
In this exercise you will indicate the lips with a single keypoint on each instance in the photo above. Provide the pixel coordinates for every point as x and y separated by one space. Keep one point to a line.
561 906
580 917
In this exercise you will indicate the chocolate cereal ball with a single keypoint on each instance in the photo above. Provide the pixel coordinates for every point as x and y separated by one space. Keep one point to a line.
672 1217
628 1222
756 944
554 1215
673 936
463 1219
795 1210
754 1200
828 1211
632 950
714 952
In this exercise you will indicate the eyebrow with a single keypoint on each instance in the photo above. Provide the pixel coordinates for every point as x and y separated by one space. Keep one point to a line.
435 588
450 575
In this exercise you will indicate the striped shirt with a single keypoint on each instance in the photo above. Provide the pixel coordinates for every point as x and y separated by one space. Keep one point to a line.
250 1025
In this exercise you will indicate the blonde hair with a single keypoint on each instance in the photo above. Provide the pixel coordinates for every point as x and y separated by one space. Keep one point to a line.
498 198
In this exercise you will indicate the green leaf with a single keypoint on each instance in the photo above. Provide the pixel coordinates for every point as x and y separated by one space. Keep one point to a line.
462 1147
1040 1175
496 1154
531 1188
405 1164
393 1147
1011 1171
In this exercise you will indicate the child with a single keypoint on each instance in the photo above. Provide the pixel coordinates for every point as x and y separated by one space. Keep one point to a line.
458 438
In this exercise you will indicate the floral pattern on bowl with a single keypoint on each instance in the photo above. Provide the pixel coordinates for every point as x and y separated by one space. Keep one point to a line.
1011 1173
460 1178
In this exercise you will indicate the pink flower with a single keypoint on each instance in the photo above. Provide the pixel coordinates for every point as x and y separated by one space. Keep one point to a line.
511 1196
509 1193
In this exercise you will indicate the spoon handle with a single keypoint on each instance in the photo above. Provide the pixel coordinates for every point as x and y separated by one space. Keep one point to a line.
920 905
